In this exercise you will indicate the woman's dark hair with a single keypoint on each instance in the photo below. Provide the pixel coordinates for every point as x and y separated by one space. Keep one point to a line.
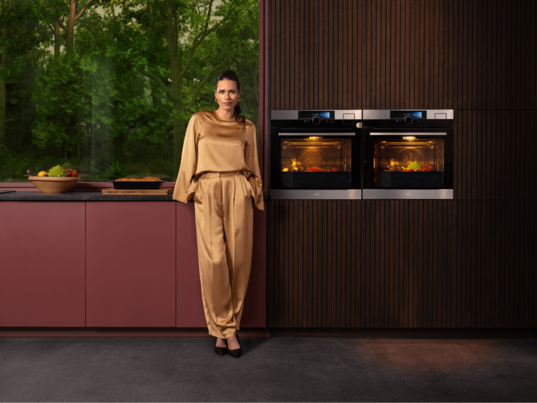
230 75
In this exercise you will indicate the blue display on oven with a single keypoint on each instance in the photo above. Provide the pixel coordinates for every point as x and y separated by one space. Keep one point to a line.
403 114
319 114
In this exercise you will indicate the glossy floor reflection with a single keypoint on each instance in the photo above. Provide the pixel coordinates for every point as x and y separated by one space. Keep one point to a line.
271 369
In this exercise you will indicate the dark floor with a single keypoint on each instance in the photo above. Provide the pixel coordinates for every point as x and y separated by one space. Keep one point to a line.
271 369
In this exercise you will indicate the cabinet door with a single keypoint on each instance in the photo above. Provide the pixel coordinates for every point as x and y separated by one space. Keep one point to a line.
130 264
189 304
42 264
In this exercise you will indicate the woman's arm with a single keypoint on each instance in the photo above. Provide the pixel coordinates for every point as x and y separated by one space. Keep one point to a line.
185 186
250 158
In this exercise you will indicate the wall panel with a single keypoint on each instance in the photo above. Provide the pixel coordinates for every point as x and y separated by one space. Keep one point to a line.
493 155
399 264
316 52
462 263
456 54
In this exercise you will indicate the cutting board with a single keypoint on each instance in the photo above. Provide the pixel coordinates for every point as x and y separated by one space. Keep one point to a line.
141 192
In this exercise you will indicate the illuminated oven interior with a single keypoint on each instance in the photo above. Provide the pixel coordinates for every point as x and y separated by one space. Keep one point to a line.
409 162
315 154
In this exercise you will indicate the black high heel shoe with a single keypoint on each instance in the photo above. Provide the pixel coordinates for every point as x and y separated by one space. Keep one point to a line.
221 350
235 353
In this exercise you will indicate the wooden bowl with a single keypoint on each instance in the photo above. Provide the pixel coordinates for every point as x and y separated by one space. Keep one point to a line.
47 184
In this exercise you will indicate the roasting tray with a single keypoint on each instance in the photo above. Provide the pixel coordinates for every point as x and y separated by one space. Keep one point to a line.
137 184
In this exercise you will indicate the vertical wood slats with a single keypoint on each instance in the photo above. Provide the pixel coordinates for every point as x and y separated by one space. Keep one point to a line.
462 263
363 54
316 48
402 264
494 155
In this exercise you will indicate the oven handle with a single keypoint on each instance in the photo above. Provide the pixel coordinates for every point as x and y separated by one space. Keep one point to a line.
407 134
316 134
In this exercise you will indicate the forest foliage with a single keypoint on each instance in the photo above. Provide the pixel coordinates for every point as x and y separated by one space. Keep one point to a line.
109 85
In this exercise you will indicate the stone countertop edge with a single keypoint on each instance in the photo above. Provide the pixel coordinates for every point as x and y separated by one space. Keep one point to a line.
79 196
83 196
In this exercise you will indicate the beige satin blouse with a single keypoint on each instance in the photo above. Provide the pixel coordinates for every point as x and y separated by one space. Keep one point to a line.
214 144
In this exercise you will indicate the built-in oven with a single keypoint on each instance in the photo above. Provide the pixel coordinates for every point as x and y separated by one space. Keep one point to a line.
408 154
316 154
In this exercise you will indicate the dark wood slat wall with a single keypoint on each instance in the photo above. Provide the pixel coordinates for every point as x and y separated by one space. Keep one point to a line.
463 263
314 46
374 54
402 264
494 154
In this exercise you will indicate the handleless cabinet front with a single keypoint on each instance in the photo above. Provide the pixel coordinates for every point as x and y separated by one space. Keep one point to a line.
130 264
42 264
189 303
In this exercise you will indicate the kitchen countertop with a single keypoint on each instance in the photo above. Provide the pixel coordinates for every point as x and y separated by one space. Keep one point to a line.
79 196
83 196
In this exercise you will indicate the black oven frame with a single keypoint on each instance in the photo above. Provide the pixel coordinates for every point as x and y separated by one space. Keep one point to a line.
392 124
293 123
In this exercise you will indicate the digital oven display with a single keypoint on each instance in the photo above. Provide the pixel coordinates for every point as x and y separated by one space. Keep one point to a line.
320 114
412 114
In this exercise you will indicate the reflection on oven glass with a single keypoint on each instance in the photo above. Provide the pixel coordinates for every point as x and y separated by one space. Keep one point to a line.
316 154
409 162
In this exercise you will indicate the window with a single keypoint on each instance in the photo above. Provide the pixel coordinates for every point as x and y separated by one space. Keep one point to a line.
112 98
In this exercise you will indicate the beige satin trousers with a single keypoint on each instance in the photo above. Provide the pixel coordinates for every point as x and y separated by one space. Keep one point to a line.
224 231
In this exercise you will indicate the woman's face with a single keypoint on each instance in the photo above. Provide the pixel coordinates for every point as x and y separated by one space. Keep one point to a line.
227 94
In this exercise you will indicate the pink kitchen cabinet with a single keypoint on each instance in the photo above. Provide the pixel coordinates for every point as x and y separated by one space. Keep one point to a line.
42 264
130 264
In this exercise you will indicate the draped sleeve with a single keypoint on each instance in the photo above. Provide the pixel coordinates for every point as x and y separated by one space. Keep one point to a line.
250 158
185 186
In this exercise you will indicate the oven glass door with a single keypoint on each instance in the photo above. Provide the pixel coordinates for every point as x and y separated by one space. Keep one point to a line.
418 160
316 161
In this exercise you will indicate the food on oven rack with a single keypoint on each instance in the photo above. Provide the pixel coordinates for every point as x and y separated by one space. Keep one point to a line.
317 169
314 169
146 179
414 166
293 169
312 157
408 155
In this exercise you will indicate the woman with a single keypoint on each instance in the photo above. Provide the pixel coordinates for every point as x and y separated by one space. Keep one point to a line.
219 167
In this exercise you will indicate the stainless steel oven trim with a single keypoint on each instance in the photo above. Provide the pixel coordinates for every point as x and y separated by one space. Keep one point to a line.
385 114
318 134
284 115
313 194
338 114
408 194
403 133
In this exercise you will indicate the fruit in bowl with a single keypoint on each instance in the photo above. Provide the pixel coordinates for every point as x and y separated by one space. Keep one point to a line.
56 180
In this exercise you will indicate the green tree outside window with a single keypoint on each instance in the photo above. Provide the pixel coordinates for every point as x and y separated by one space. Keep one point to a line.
109 86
